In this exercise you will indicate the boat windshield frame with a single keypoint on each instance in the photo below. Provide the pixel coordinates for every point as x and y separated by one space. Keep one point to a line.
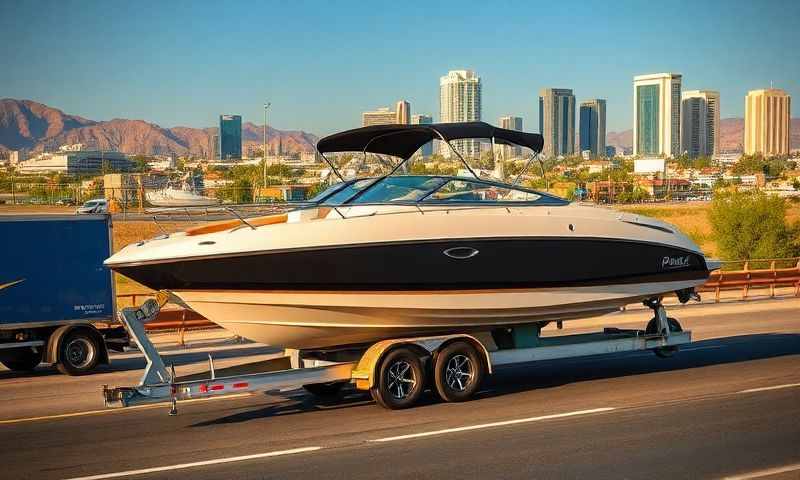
506 137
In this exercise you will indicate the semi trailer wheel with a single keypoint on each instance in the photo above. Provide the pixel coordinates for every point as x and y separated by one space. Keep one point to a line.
400 381
458 372
78 353
674 326
21 359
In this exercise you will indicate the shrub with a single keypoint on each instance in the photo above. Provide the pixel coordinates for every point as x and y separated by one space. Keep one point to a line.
750 225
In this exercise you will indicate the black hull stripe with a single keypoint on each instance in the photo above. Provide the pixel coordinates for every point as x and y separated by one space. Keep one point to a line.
500 264
325 248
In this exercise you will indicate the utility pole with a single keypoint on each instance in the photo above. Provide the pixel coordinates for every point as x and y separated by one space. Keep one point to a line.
266 107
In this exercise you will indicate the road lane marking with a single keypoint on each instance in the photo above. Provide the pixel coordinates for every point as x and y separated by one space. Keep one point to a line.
203 463
120 410
765 473
766 389
494 424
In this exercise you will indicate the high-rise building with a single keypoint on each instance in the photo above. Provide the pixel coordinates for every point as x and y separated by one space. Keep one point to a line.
593 127
403 112
230 137
507 152
427 149
766 122
460 101
381 116
657 114
699 123
557 121
213 147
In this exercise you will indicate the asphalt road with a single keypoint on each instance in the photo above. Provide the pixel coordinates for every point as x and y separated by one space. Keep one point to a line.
728 404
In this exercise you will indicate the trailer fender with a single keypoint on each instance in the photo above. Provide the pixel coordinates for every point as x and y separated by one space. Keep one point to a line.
54 342
365 372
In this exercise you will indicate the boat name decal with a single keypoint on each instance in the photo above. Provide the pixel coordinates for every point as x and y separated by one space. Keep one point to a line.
675 262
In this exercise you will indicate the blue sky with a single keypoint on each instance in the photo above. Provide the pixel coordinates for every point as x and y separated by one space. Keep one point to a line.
322 63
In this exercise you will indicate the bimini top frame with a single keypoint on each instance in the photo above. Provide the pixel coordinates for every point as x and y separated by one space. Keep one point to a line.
403 140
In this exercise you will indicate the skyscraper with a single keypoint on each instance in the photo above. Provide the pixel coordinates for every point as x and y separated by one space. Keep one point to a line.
557 121
766 122
699 123
507 152
213 147
403 112
230 137
381 116
460 101
593 127
657 114
427 149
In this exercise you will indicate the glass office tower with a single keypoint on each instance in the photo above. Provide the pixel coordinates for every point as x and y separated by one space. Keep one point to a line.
230 137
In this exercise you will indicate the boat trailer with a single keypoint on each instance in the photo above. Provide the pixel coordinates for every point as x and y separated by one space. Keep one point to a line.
160 384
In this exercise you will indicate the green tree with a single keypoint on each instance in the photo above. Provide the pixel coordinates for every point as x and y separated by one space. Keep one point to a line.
796 183
751 164
140 163
749 225
239 191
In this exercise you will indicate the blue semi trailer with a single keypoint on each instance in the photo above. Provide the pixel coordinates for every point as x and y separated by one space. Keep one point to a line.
57 301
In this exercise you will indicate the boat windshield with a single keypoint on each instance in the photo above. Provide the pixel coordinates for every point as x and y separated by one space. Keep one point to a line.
341 192
448 190
410 188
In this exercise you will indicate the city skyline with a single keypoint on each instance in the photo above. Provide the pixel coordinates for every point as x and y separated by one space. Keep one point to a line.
314 87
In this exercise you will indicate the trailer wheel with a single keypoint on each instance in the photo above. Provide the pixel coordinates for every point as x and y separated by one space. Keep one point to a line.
458 372
325 390
22 359
401 380
674 326
78 353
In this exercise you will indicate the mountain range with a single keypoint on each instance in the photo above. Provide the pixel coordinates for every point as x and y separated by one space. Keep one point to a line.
25 124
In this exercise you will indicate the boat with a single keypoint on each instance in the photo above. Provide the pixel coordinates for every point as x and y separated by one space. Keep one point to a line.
184 194
408 255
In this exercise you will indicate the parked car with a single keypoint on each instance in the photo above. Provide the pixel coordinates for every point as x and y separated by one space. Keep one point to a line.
98 205
65 201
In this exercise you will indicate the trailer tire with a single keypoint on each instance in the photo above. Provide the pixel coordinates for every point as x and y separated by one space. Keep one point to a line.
78 352
325 390
25 360
401 379
458 372
674 326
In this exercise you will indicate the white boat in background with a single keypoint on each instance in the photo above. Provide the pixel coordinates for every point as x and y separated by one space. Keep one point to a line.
184 195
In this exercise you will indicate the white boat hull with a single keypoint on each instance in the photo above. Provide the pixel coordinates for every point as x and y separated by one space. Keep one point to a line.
314 319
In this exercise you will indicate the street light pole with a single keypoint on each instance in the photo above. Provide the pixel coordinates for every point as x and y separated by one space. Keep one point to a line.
264 156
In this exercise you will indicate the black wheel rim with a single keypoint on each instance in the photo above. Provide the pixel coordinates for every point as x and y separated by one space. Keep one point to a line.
79 352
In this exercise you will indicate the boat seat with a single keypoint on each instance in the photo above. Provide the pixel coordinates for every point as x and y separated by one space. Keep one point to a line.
228 224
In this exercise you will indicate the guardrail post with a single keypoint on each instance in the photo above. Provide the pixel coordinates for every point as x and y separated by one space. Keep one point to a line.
774 278
747 280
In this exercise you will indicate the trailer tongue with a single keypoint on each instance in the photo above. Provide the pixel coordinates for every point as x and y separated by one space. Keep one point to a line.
396 371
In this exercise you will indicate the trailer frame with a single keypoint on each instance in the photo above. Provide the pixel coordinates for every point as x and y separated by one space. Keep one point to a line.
159 384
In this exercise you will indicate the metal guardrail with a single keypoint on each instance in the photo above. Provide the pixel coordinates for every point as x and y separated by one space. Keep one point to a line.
777 274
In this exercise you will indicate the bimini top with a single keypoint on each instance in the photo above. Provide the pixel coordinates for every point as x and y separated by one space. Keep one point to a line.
403 140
